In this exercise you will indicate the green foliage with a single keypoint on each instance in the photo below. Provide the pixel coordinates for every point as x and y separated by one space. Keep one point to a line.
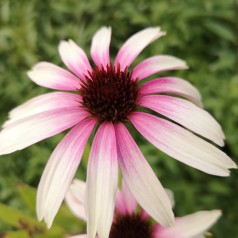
204 33
23 223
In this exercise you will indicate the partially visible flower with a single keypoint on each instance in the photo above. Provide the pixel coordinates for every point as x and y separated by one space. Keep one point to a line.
109 96
129 222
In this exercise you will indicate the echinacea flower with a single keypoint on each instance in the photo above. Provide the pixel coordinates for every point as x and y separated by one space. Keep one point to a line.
107 97
129 222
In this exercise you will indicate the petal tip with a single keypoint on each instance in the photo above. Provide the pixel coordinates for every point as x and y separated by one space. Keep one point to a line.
48 224
62 45
108 28
218 212
221 142
215 214
186 66
70 41
63 42
234 166
157 30
170 221
30 73
40 65
39 216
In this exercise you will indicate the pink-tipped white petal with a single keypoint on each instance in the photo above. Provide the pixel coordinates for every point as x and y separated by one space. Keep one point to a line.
157 64
187 114
125 202
141 180
60 170
135 44
43 103
190 226
52 76
31 129
100 47
182 145
75 198
173 85
74 58
101 185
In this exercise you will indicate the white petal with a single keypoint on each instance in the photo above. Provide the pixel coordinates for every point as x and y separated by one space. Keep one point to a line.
186 114
199 236
170 196
191 225
101 185
141 180
135 44
172 85
60 170
29 130
75 198
52 76
157 64
100 47
43 103
182 145
79 236
74 58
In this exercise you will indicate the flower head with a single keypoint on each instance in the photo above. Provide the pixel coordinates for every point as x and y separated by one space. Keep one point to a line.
108 96
129 222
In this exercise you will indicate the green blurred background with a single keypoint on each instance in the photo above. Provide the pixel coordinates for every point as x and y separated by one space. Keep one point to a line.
204 33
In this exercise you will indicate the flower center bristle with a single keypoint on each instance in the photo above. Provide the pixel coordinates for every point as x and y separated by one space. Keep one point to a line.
130 226
109 94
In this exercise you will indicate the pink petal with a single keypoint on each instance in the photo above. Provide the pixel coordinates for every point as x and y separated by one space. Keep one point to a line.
75 198
140 178
135 44
157 64
189 226
182 145
144 214
43 103
101 185
172 85
100 47
125 202
60 170
74 58
29 130
52 76
186 114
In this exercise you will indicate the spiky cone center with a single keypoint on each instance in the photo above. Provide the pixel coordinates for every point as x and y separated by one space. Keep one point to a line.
131 226
109 94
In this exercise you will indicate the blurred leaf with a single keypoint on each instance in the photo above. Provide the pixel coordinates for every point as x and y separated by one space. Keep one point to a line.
28 196
218 188
16 234
17 218
221 30
67 221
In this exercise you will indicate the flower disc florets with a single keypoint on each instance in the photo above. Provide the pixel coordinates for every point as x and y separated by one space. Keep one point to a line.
109 94
130 226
